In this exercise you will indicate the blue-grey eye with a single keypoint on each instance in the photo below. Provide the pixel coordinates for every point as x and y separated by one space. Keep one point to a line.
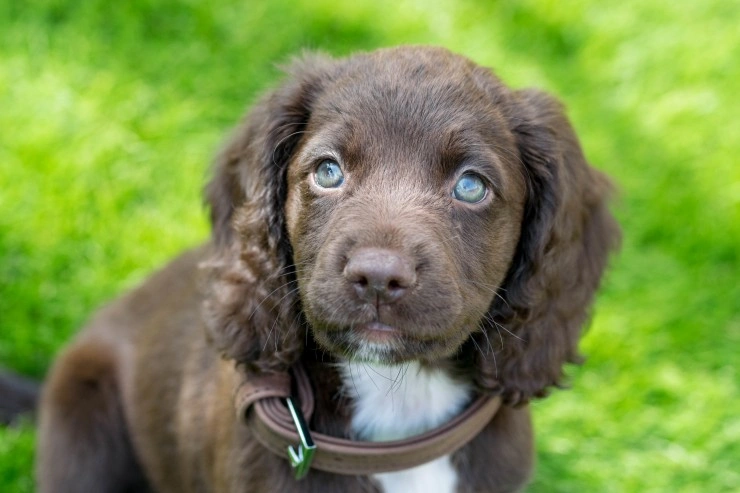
469 188
329 174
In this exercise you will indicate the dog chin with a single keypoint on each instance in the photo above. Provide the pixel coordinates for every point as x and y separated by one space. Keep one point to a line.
353 346
372 352
381 346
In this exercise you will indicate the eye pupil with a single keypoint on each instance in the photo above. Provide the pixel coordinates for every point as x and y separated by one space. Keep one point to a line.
329 174
469 188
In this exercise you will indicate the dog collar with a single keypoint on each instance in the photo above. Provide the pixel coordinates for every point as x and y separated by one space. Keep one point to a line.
277 418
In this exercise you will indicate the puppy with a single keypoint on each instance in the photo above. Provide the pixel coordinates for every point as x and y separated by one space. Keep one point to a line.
402 228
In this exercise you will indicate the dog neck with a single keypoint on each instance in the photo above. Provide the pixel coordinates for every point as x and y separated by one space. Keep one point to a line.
392 402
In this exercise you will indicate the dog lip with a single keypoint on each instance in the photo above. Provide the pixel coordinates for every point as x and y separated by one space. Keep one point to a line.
377 326
377 333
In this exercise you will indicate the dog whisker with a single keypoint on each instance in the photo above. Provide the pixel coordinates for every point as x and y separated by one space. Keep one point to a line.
491 351
477 346
498 325
266 297
277 319
492 289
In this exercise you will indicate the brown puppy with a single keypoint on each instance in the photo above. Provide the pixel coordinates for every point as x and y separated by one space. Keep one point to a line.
398 214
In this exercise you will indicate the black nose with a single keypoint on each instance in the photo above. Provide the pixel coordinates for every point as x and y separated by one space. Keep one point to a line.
379 275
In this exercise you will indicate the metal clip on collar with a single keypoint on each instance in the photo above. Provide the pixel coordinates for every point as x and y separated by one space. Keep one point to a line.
300 458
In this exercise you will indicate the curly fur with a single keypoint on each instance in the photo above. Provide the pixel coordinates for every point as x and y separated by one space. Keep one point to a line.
567 235
252 295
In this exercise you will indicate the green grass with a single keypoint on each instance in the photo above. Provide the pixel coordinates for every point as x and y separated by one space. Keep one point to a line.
110 111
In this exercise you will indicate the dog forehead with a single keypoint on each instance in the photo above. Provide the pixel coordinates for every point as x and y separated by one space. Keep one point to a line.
405 96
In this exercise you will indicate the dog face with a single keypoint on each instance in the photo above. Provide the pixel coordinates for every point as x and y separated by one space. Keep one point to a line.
404 205
404 208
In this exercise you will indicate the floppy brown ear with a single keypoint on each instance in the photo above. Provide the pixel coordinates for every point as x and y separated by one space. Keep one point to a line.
567 234
250 311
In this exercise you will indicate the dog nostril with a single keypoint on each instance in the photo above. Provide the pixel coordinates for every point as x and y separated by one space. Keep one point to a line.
380 275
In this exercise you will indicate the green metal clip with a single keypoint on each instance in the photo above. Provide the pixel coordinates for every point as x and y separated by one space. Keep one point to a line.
300 457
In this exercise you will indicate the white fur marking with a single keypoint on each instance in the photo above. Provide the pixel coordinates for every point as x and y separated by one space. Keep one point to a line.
392 402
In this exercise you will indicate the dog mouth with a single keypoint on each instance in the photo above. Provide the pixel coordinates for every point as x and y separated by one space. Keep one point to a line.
377 342
377 332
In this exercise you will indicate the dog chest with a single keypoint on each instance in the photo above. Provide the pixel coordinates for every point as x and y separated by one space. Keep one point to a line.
392 402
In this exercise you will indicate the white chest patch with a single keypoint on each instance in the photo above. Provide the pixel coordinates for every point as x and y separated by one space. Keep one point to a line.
399 401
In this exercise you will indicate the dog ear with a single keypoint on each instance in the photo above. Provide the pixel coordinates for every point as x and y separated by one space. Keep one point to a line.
250 311
567 234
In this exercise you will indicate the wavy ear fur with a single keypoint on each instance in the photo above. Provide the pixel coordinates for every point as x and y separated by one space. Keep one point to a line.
566 236
251 312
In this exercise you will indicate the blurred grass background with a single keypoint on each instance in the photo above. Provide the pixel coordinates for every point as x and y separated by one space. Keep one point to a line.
110 112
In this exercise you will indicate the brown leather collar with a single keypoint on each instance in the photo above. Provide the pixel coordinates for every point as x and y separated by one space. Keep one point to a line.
269 409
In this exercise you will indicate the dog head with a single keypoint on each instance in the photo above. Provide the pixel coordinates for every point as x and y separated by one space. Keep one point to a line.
405 205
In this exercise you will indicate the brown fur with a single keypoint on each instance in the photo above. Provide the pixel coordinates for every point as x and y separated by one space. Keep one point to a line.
501 288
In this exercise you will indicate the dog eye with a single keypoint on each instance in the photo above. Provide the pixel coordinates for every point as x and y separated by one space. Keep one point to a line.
328 174
470 188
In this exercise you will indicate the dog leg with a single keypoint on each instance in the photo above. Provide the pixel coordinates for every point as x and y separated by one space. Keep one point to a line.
83 441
